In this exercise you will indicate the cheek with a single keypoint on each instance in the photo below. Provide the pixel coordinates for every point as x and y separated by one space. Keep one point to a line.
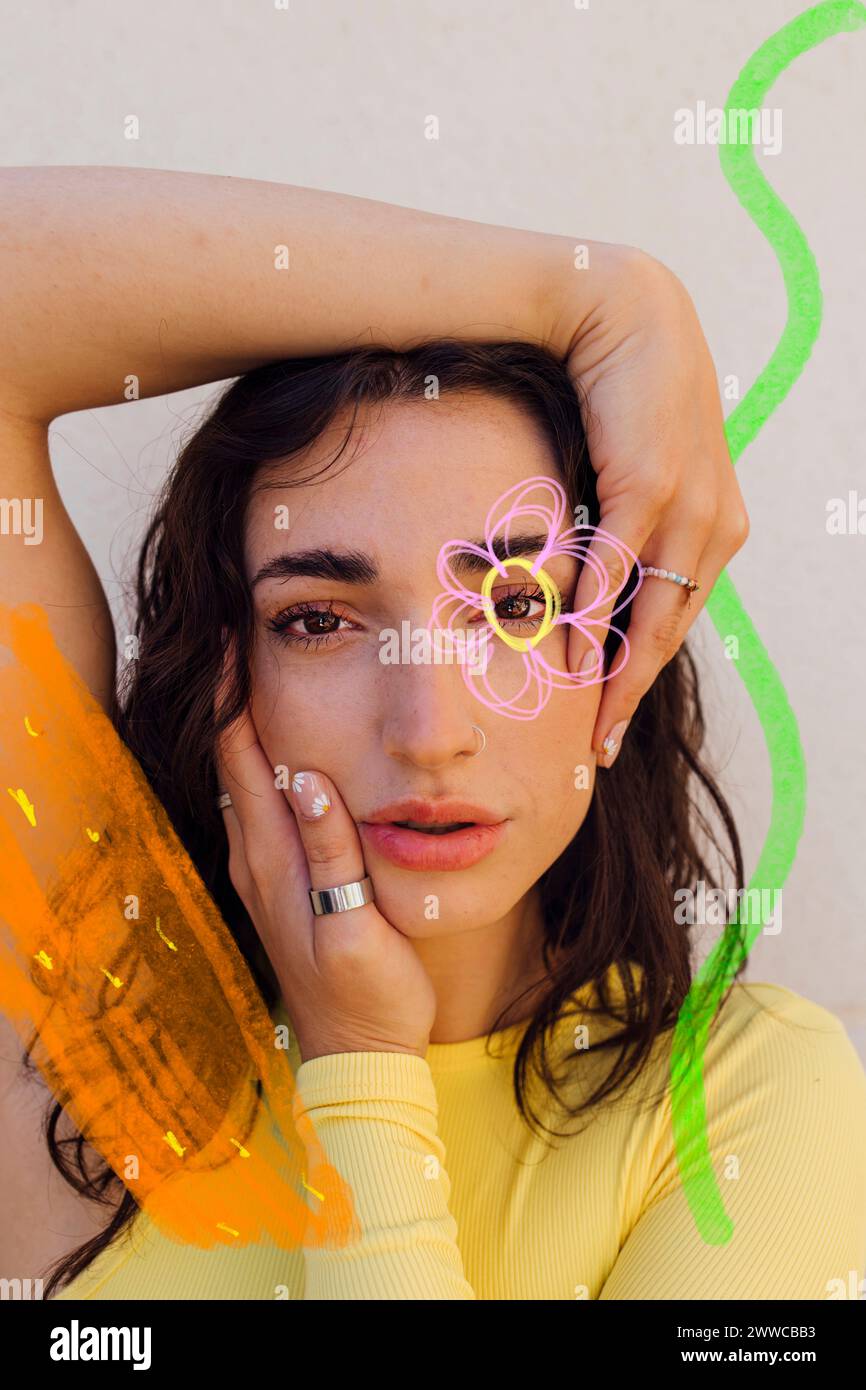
556 762
300 721
271 709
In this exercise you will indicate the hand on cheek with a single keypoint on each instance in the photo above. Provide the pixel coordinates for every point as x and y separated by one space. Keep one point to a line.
351 982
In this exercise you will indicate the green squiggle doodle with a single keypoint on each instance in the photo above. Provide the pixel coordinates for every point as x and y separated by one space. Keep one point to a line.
688 1102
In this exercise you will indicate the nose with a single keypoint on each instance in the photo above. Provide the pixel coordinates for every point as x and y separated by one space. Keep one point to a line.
429 714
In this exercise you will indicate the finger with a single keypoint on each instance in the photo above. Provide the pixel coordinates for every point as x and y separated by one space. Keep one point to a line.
234 834
240 873
703 542
602 579
328 834
258 809
662 613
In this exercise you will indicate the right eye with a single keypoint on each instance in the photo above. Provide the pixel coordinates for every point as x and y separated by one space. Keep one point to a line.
320 625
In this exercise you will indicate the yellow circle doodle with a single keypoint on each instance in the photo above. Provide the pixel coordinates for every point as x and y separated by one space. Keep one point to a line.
552 605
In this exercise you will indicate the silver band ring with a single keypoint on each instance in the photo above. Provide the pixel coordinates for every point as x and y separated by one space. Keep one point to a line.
683 579
483 741
223 800
342 898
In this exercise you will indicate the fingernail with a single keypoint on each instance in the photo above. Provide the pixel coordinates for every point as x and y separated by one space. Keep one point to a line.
588 662
612 744
310 794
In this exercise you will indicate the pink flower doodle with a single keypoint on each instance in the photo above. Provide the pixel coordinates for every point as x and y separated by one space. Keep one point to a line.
539 675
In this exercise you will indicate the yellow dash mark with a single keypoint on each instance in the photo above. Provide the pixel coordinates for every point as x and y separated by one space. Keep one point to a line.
113 978
168 943
221 1226
244 1153
174 1143
32 732
25 803
44 959
92 834
320 1195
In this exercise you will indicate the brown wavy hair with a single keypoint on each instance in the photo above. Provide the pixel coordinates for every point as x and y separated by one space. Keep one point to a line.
654 817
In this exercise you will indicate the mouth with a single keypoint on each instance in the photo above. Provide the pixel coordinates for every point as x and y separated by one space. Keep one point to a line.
433 829
433 836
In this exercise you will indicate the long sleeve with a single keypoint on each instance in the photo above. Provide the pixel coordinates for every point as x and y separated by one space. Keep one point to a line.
786 1108
375 1116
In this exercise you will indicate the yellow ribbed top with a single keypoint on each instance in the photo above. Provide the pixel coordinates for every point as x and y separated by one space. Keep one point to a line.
458 1200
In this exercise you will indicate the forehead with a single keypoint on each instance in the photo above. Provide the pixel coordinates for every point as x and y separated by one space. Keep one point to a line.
413 476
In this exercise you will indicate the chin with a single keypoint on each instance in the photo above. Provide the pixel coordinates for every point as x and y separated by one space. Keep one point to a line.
431 907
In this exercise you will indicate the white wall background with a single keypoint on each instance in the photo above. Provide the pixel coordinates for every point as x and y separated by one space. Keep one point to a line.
559 120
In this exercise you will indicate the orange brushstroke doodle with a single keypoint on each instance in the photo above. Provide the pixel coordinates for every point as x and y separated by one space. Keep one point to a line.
158 1069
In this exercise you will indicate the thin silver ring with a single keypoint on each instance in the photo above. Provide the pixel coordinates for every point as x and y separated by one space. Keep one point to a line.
342 898
483 741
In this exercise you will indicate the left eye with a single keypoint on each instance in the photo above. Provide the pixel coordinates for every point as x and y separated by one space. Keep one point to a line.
518 607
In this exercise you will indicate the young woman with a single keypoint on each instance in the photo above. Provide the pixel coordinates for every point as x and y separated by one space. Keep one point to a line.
541 908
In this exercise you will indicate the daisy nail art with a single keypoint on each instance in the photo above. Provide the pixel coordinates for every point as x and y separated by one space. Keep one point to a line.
613 743
310 794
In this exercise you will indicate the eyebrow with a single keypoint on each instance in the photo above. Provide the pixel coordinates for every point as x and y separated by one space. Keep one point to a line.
356 567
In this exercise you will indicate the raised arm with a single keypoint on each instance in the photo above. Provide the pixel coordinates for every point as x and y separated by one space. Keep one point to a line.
177 279
174 280
180 279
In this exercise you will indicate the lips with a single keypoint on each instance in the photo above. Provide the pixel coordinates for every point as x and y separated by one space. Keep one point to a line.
433 835
434 829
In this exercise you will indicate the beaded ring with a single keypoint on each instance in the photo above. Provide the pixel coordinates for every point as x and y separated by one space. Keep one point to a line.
683 579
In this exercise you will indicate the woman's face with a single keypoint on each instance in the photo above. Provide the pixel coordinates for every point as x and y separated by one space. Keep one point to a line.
424 473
